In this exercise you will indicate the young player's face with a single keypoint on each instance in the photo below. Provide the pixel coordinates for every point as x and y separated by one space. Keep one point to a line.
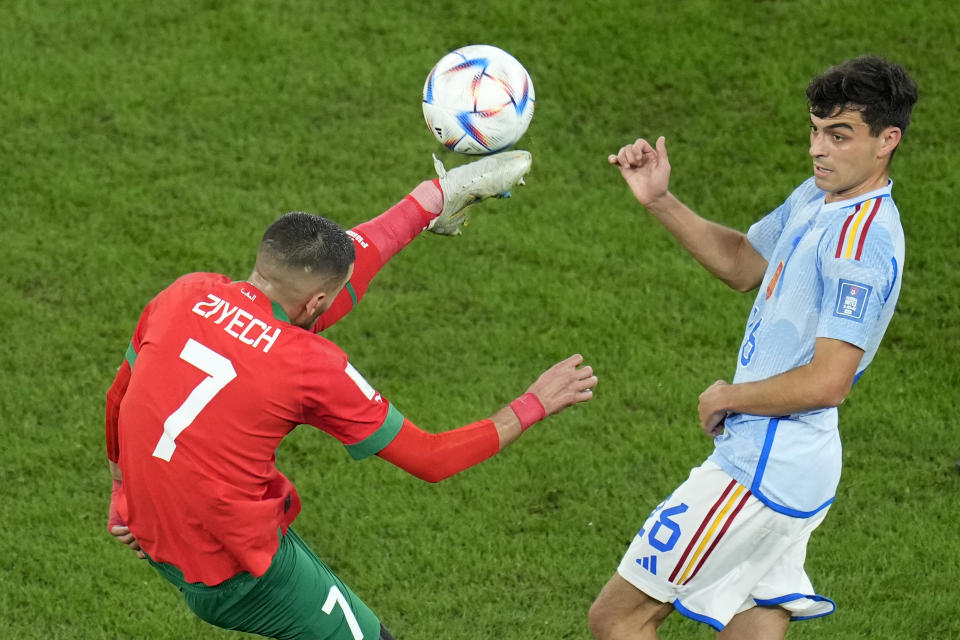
847 160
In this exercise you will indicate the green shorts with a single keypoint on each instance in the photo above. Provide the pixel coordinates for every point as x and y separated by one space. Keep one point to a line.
298 598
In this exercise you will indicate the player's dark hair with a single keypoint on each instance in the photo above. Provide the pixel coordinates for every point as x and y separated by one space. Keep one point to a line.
308 243
882 91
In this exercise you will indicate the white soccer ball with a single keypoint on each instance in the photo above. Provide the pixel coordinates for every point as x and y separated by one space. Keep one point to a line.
478 99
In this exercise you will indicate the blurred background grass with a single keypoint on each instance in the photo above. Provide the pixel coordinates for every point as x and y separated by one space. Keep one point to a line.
142 141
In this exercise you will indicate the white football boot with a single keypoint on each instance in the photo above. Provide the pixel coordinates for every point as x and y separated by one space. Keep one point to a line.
470 183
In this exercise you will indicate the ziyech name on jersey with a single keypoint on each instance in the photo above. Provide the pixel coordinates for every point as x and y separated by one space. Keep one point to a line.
240 324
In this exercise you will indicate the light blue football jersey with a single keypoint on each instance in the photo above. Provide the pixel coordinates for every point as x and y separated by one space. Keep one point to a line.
834 271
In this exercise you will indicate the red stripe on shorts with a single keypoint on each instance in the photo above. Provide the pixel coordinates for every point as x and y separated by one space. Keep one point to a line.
703 526
726 525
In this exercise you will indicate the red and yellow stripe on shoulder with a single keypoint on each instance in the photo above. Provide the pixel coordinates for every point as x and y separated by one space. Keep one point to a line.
855 229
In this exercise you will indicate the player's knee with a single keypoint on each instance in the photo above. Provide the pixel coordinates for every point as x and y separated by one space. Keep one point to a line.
611 618
600 619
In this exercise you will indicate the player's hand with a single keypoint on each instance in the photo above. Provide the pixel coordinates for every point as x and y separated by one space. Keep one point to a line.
566 383
122 534
116 525
711 413
645 169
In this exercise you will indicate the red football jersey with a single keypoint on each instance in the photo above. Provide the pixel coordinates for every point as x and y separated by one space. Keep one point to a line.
219 377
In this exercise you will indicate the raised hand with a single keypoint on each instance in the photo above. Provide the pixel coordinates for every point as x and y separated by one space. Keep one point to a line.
645 169
564 384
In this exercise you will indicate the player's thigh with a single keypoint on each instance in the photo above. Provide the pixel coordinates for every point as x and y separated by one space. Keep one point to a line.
758 623
620 606
298 598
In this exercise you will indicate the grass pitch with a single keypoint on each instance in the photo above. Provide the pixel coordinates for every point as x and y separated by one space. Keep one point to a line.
140 142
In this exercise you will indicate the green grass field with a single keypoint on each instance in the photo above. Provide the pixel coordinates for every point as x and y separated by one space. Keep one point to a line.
141 141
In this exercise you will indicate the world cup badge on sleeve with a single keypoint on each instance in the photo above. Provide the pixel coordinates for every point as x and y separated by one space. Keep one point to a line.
852 299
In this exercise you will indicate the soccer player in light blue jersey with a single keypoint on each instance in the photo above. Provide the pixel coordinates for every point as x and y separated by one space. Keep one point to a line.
727 548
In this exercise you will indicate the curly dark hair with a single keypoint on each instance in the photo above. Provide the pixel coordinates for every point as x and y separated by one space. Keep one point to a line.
882 91
308 243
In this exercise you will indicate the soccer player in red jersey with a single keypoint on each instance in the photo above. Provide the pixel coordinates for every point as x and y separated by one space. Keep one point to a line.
218 372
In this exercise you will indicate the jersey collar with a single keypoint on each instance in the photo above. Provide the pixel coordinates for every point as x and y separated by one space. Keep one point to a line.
850 202
260 299
279 313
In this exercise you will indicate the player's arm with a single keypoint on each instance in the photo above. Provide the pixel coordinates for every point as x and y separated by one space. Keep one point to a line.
115 523
378 240
724 252
824 382
114 398
433 457
115 394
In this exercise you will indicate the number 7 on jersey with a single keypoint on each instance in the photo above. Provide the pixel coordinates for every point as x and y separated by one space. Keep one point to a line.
220 371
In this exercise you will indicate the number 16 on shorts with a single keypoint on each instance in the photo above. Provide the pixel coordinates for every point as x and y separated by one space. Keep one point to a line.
663 533
681 534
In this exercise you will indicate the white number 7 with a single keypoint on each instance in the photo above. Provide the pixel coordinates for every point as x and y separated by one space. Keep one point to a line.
221 372
335 597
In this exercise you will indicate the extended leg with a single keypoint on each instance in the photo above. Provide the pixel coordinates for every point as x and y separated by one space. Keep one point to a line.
758 623
623 612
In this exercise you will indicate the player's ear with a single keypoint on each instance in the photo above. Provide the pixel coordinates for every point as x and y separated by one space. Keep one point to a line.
315 302
889 139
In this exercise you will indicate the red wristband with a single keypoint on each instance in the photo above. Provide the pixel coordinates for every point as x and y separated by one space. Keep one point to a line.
113 516
529 410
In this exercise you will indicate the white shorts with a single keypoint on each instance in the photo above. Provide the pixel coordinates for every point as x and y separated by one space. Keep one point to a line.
714 550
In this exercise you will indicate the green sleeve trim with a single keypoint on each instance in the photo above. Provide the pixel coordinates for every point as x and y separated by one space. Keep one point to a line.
376 441
353 296
131 355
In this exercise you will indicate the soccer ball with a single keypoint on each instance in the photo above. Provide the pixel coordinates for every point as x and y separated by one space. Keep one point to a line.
478 99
